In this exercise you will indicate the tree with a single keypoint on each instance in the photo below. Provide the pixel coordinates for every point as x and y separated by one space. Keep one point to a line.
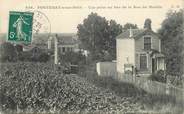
114 30
97 35
129 25
93 34
172 42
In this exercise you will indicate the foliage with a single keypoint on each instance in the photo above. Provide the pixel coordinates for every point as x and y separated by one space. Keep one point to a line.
130 25
36 87
172 42
154 102
25 56
31 56
12 53
8 52
73 58
93 34
158 76
43 57
98 36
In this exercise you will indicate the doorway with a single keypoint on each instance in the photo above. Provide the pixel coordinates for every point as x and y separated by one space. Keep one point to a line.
154 65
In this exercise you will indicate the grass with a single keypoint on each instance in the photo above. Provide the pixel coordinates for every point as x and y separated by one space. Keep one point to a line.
152 102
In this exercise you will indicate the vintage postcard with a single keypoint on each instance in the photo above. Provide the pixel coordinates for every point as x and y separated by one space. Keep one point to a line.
91 56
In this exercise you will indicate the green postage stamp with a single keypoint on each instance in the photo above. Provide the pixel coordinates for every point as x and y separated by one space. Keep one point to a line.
20 26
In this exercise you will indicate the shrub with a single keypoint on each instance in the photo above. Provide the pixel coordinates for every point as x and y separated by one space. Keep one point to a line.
158 76
73 58
8 52
43 57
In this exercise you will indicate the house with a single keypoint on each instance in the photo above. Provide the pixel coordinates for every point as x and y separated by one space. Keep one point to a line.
139 50
66 43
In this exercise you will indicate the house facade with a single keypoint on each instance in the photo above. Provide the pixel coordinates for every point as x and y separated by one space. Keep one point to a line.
139 50
66 43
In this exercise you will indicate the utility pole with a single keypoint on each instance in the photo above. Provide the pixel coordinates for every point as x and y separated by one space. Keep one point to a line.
56 50
49 42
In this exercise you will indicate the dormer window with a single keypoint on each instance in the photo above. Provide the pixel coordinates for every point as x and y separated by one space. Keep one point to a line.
147 43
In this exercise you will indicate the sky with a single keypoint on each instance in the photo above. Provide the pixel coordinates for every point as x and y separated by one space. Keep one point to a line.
63 20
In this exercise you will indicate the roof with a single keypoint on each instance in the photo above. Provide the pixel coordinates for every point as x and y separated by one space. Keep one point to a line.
66 39
126 34
135 33
158 55
42 38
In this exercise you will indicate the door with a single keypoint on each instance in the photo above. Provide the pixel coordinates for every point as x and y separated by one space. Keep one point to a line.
154 66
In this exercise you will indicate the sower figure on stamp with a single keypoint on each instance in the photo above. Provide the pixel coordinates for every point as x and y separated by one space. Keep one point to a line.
19 28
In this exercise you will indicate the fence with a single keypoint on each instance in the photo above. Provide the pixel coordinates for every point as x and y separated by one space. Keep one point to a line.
155 88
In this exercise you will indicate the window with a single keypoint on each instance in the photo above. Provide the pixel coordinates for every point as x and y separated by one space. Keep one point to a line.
63 49
147 43
143 61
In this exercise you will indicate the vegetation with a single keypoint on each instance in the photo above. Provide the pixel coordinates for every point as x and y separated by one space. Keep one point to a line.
8 52
14 53
151 102
75 58
158 76
98 36
172 42
36 87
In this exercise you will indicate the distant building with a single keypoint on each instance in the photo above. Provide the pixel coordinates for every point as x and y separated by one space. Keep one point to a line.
67 42
140 50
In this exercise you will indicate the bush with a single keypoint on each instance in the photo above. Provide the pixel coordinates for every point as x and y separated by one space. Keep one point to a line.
8 52
73 58
43 57
158 76
41 89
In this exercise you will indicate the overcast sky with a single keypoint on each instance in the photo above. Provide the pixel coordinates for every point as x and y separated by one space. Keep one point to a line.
66 20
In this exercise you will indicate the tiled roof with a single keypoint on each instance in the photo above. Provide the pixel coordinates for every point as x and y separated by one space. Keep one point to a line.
126 34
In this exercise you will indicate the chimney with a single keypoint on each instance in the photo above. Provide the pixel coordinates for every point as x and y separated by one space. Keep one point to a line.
147 24
131 33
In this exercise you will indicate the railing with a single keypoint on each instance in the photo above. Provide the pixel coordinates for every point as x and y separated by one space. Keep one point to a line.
155 88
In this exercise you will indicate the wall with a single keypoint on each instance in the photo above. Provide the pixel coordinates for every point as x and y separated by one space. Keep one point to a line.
106 68
139 42
125 49
74 47
139 49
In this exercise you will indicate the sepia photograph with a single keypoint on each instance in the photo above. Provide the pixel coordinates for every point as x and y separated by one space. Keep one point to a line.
91 57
